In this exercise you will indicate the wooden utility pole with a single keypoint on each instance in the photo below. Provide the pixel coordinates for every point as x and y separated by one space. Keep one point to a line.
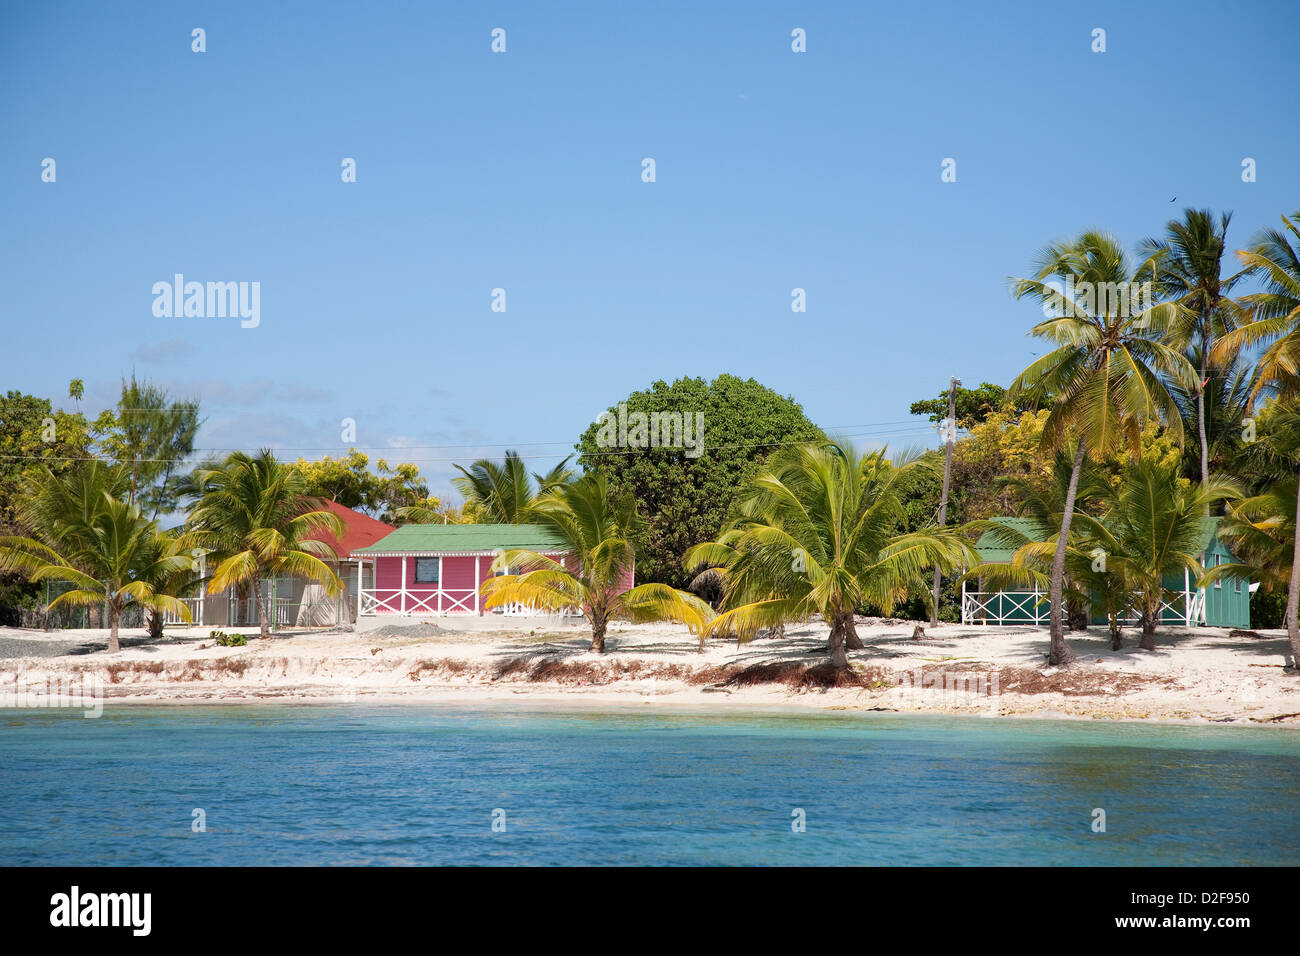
949 439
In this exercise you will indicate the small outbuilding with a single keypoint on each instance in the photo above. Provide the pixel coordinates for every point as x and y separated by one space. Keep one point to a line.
437 569
1223 604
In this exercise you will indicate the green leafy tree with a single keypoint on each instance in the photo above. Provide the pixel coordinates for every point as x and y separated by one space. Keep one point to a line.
1153 526
596 527
974 405
346 480
253 516
1190 258
151 435
386 493
1260 530
1106 375
33 435
824 539
688 498
432 510
400 487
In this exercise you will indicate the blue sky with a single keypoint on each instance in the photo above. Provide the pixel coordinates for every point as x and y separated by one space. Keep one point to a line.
522 171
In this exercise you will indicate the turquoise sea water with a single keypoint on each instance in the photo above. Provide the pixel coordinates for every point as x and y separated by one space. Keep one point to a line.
413 785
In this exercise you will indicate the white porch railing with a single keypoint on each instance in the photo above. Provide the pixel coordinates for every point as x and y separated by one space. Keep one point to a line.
195 605
1002 608
451 601
402 601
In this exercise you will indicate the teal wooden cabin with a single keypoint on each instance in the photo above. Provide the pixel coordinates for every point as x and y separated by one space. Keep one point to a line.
1222 604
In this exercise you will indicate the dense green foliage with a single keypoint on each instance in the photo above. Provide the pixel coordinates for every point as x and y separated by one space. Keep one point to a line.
686 499
972 405
597 526
385 493
151 435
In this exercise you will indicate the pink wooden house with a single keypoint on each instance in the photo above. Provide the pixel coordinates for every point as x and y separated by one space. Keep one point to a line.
436 569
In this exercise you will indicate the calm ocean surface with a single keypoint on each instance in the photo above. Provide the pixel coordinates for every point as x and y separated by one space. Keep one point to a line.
418 785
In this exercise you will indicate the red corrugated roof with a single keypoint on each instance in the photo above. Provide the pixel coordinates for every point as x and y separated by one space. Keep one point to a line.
359 530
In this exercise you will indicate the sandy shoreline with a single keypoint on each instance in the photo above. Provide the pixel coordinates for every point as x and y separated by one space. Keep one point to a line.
1197 675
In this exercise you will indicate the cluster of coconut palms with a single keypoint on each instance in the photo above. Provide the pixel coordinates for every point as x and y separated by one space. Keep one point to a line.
1114 369
249 520
1117 365
820 530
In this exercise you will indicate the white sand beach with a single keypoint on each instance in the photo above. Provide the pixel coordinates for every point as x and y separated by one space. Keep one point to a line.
1203 674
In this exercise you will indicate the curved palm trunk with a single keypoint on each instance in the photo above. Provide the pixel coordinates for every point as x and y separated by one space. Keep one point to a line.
840 629
849 635
1200 411
1116 635
1060 655
1293 592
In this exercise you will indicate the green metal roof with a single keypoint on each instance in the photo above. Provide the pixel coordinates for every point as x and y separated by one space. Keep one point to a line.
993 551
430 538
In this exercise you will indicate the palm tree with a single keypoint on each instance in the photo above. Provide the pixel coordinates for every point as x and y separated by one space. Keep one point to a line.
596 532
1043 503
1107 374
151 434
1190 260
825 539
173 578
85 535
1150 524
1154 525
1223 404
250 513
711 565
503 492
1275 321
1260 530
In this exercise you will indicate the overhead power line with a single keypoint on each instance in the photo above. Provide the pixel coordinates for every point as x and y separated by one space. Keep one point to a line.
405 450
